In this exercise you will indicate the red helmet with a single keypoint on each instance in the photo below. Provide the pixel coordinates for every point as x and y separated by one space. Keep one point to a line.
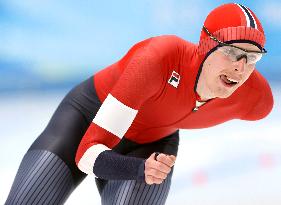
231 23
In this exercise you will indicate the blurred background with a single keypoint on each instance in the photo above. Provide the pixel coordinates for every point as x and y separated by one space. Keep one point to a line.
47 47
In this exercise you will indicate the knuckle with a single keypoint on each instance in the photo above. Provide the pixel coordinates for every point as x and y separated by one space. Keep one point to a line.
161 175
164 168
160 156
169 169
159 181
146 164
154 172
149 180
149 172
160 165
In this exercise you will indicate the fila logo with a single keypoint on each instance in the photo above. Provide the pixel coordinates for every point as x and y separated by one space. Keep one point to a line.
174 79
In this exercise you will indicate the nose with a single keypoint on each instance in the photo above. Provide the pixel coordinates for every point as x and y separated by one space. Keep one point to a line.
239 65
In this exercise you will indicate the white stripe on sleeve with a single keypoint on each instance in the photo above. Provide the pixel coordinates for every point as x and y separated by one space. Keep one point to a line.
87 161
114 116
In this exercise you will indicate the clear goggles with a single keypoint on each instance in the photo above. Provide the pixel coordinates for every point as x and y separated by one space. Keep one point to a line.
236 54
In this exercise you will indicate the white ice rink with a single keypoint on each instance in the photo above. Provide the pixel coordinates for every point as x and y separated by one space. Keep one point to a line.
236 163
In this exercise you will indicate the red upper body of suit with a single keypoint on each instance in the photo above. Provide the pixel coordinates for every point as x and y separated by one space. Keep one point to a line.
149 94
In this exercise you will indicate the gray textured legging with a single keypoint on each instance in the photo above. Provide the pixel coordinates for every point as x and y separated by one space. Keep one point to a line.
121 192
43 178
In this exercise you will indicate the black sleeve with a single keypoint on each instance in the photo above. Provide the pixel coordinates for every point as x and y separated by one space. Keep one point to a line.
113 166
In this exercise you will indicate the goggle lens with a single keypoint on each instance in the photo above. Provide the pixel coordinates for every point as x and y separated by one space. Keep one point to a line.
236 54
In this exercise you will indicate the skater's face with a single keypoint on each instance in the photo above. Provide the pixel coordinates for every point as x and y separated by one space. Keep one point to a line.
222 74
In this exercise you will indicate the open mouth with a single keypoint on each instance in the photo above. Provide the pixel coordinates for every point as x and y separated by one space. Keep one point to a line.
227 81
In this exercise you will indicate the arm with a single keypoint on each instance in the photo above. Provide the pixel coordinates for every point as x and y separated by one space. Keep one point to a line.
140 80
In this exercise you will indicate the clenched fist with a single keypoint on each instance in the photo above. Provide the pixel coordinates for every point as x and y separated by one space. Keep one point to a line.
157 167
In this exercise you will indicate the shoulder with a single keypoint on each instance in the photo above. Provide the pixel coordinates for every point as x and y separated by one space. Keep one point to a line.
160 46
157 45
168 39
167 42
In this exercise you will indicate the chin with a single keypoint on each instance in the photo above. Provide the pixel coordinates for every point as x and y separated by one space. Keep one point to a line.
222 92
225 94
